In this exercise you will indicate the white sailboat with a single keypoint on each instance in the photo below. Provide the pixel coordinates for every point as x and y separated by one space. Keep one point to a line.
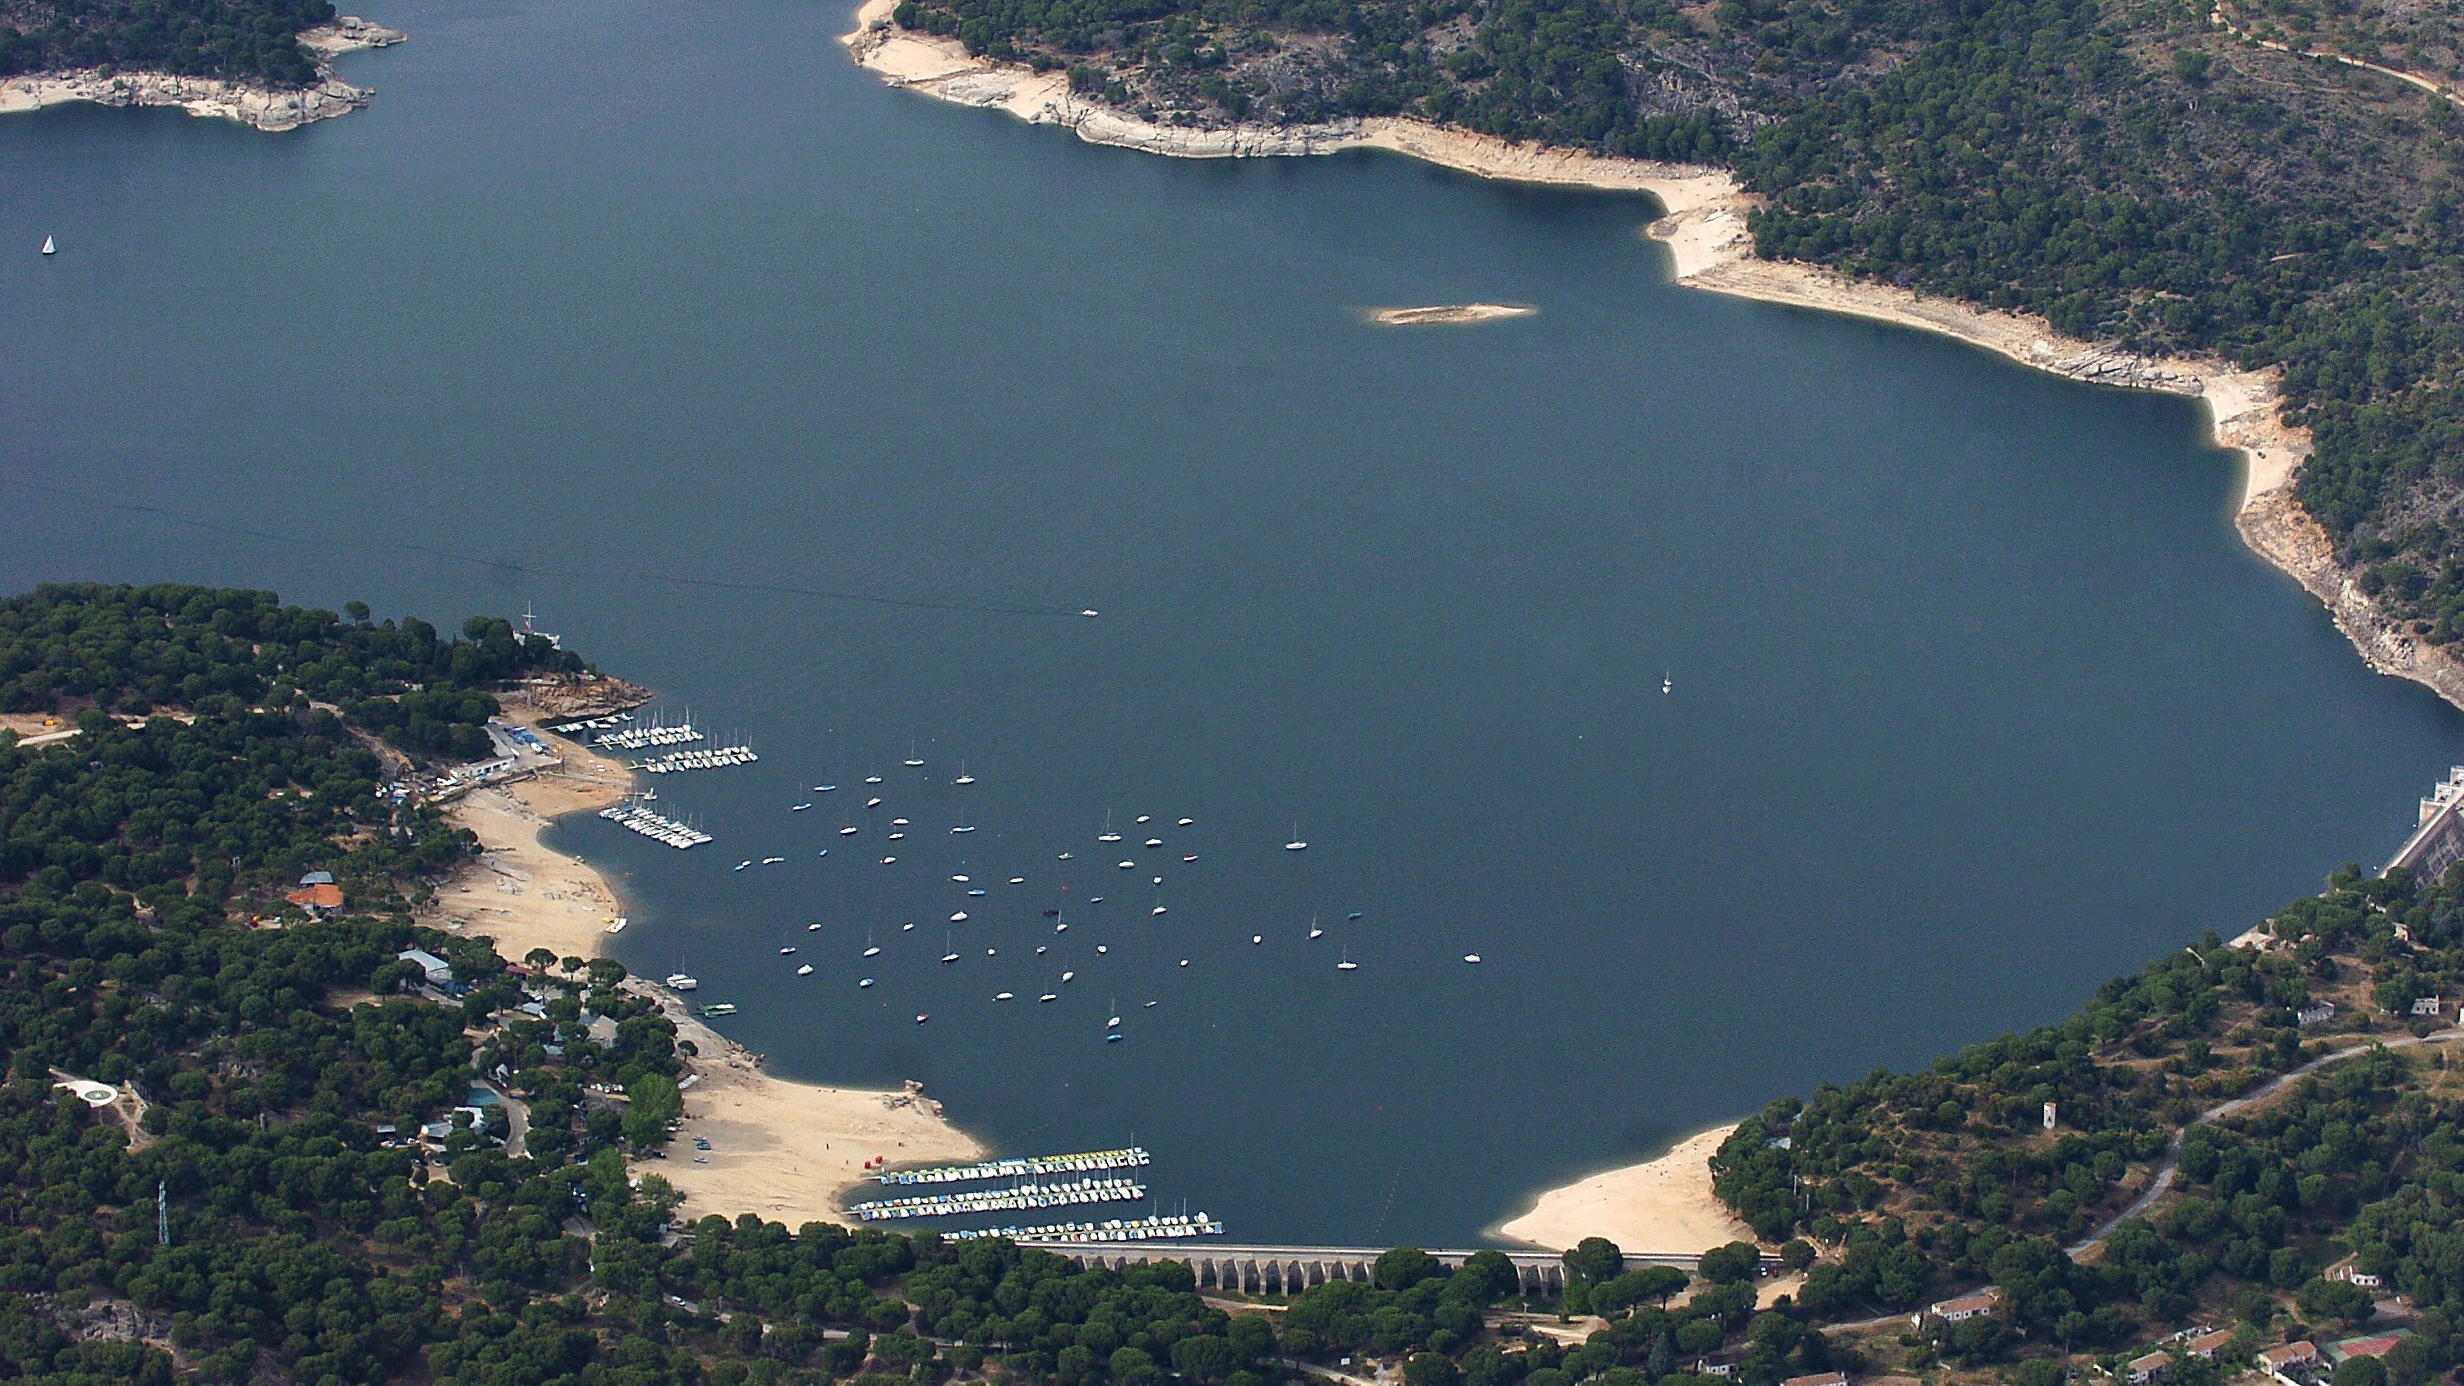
1314 930
805 971
50 249
914 761
1347 965
1296 844
1108 835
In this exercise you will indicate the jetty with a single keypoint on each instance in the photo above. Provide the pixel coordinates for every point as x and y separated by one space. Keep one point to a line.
1019 1197
1090 1162
1288 1270
640 818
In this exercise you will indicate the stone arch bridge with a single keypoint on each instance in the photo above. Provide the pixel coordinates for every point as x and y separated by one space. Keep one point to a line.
1288 1270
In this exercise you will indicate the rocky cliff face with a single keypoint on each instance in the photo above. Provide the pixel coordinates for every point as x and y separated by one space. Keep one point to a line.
260 107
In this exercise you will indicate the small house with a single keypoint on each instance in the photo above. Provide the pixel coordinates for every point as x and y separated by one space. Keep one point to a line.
2207 1345
2146 1369
2284 1363
2316 1013
316 899
2426 1005
1818 1379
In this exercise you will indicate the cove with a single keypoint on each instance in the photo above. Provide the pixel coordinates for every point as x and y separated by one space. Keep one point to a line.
1975 698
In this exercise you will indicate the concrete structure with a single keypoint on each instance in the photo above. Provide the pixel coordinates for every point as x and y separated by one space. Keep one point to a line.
2427 1005
439 971
1289 1270
2438 836
2316 1013
1818 1379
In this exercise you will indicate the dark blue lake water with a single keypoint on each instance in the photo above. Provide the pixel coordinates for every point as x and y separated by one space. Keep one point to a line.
1975 697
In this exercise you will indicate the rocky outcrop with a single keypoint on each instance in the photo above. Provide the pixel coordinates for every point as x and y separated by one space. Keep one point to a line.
251 104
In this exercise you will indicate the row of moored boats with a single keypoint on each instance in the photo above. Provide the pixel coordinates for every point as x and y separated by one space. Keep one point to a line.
714 758
1162 1228
1001 1200
657 734
1133 1157
642 819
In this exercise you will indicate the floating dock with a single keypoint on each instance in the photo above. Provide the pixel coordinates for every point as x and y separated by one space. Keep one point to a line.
639 818
1112 1230
1088 1162
1022 1196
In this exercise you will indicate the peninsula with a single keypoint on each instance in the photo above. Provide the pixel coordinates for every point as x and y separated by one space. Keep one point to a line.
272 80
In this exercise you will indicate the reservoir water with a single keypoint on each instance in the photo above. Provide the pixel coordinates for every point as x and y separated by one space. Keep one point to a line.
1974 698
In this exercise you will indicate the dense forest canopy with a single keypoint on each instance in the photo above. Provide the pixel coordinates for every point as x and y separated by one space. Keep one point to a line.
246 40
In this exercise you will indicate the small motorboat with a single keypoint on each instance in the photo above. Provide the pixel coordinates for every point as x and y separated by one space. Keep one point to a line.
975 890
824 788
617 925
1039 950
1125 866
772 861
1113 1024
743 864
1190 858
959 917
886 861
813 928
873 952
1184 823
679 981
1112 1039
921 1018
865 983
1150 1005
849 832
1002 996
872 779
1257 938
823 852
1061 928
962 880
1103 948
798 808
1667 682
965 828
1144 817
1067 976
1090 613
1096 900
898 837
1184 962
805 971
1154 842
1473 958
719 1008
1049 996
991 953
1018 880
906 928
874 802
1353 915
898 823
1158 910
783 952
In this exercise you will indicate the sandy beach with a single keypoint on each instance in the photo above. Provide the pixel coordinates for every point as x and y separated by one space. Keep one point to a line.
779 1149
1663 1205
261 107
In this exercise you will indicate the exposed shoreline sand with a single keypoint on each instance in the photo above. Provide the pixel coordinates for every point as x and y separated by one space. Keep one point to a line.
780 1149
251 104
1663 1206
1447 314
1704 227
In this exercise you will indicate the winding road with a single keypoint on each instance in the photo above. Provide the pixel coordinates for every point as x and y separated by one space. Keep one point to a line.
2173 1152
